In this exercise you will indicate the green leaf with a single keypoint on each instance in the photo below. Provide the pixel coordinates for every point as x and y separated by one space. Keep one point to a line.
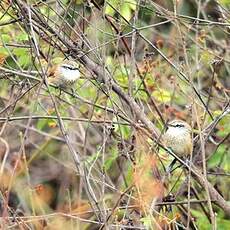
216 157
24 60
125 8
23 56
162 95
225 3
109 10
41 124
223 224
22 37
203 223
5 38
147 221
129 174
3 51
142 95
111 158
126 12
123 129
206 57
4 17
201 220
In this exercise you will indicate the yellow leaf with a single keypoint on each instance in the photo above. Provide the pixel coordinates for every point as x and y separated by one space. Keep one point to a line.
162 95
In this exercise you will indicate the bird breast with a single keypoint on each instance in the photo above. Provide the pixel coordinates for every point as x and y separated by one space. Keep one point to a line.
69 75
179 141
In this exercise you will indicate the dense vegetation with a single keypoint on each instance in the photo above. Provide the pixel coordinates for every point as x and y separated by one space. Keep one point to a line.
90 156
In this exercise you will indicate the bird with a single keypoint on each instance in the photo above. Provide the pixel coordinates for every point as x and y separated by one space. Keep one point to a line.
64 74
178 138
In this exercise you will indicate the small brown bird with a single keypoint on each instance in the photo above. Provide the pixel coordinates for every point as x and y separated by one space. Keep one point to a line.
179 139
64 74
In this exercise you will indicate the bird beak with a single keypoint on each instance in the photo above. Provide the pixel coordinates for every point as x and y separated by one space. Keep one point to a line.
169 125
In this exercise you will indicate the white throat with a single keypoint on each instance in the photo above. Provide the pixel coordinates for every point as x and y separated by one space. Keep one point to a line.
70 74
175 131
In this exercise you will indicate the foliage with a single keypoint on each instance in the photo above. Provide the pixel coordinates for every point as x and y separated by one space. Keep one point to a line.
85 155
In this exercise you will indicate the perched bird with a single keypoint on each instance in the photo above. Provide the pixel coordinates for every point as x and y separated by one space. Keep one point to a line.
178 137
64 74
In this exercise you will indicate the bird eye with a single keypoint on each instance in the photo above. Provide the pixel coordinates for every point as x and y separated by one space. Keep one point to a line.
70 67
179 125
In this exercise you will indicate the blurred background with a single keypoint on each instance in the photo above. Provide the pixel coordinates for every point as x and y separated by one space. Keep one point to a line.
79 157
